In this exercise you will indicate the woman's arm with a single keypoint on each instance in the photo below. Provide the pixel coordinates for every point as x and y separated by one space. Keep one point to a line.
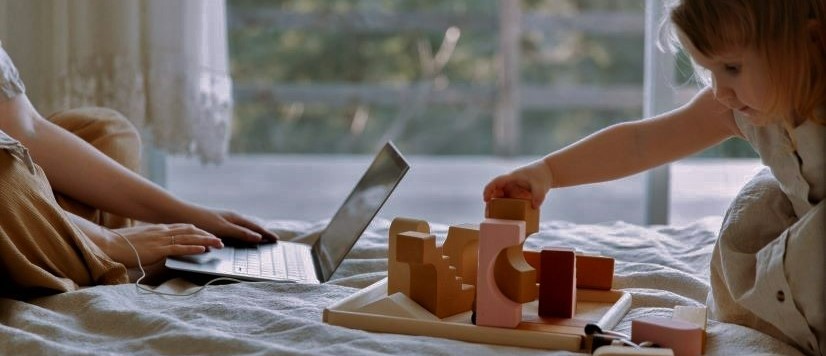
80 171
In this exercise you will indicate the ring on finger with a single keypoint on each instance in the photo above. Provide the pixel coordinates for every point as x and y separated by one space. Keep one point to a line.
173 239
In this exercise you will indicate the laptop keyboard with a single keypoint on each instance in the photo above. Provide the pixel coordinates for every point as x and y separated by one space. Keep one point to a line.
281 261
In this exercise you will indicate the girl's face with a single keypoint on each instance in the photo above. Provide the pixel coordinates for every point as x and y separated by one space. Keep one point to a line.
739 81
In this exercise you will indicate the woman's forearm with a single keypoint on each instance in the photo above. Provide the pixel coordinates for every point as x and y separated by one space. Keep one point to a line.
78 170
94 232
117 189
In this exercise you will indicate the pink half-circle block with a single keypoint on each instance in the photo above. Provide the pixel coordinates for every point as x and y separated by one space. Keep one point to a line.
684 338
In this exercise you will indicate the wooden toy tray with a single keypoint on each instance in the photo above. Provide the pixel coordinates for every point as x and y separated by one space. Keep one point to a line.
371 309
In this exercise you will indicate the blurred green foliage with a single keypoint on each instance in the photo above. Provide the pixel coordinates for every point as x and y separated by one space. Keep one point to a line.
266 52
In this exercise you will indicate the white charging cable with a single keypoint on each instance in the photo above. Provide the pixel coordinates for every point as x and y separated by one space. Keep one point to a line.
144 290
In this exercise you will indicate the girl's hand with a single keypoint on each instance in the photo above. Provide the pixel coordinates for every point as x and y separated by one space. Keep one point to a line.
156 242
531 182
227 224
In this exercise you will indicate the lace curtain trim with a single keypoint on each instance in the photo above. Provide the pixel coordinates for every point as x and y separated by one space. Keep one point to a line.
185 107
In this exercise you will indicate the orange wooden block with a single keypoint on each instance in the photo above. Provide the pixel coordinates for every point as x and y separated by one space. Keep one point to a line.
433 281
398 274
515 278
514 209
462 247
493 308
557 286
592 271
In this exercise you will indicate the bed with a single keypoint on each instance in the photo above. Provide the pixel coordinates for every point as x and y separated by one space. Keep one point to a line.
661 266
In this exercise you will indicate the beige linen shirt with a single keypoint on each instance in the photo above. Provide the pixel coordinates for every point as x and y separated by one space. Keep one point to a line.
768 269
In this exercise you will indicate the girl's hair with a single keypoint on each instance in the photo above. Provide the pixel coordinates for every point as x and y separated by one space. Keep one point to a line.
789 34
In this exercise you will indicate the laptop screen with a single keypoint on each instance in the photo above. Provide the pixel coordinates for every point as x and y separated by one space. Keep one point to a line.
359 209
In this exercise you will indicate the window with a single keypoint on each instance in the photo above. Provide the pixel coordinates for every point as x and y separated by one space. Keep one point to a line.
338 77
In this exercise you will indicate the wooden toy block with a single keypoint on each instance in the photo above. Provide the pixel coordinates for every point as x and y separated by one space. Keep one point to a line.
462 247
684 338
433 281
532 257
514 209
400 305
695 315
592 271
515 278
493 308
557 286
632 351
398 274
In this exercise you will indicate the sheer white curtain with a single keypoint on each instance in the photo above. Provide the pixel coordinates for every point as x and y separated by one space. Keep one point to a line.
163 63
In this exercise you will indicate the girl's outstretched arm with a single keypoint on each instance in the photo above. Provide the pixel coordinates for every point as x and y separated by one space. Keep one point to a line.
621 150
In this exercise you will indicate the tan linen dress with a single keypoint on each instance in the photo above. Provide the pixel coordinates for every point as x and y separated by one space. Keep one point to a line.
767 269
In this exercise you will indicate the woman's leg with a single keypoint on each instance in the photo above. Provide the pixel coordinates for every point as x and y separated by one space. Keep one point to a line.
41 251
113 135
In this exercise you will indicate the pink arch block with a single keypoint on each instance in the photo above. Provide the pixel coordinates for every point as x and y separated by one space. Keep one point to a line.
492 307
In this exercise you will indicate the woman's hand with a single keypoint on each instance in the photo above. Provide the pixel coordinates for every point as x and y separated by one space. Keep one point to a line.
227 224
156 242
531 182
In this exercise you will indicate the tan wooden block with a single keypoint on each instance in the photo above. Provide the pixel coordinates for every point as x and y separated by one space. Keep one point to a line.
462 247
399 305
514 209
434 283
515 278
532 257
398 274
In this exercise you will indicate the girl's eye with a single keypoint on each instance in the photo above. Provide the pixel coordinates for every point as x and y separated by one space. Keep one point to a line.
731 68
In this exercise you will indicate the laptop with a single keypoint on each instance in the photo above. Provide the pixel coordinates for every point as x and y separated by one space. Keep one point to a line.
316 260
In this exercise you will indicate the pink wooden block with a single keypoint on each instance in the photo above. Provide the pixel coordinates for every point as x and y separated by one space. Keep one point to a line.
492 307
684 338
